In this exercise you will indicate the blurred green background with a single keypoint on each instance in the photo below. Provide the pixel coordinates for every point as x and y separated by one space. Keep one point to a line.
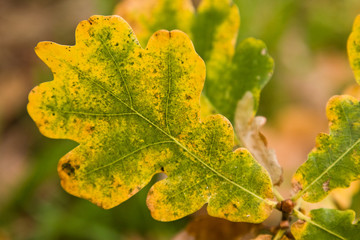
306 38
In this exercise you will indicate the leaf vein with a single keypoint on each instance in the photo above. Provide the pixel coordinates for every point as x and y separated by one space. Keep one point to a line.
127 155
169 76
117 68
309 220
189 187
97 114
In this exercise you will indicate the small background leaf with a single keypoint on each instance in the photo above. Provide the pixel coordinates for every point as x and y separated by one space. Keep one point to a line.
249 69
247 129
354 49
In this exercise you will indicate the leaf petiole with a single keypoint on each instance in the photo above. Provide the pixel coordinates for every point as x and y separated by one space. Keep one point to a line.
277 194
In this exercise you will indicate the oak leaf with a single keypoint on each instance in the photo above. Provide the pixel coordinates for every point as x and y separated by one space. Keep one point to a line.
335 162
135 113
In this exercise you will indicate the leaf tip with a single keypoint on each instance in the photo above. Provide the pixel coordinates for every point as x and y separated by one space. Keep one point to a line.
42 46
356 26
336 102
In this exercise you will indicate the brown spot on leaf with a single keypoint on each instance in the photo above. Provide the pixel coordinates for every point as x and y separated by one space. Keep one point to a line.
68 169
325 185
296 186
90 129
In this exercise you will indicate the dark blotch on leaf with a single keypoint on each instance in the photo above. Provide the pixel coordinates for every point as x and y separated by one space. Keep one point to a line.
90 129
68 169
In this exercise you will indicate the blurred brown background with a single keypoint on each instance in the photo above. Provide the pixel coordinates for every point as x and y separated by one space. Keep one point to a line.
306 38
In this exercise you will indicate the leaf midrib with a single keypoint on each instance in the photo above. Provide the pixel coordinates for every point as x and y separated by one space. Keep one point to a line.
325 229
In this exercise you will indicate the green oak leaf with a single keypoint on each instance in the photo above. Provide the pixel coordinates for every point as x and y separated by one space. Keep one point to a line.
329 224
232 69
249 69
214 28
135 113
354 49
335 162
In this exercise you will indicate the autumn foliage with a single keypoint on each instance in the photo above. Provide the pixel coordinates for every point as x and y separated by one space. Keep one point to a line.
183 103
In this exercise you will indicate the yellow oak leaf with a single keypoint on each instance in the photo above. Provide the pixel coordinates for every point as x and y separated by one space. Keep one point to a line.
135 112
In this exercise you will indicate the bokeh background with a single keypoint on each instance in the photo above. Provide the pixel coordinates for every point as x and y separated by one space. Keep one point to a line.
306 38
